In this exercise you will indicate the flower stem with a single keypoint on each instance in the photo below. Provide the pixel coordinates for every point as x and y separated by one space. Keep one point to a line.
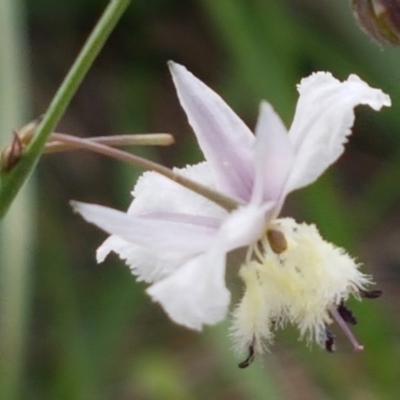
86 144
12 181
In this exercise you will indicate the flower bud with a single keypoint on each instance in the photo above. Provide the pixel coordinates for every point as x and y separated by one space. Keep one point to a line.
379 18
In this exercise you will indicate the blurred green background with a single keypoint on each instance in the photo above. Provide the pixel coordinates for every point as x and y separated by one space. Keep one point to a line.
72 329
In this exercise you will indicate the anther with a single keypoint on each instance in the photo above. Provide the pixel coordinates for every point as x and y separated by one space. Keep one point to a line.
249 360
346 314
277 241
329 341
371 294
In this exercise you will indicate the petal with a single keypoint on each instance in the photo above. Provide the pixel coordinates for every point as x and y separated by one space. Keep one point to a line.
190 219
323 120
223 137
157 197
149 265
145 263
196 293
153 234
244 226
154 193
274 154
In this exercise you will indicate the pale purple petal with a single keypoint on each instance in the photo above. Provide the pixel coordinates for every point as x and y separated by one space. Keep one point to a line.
159 197
154 234
274 155
223 137
323 120
200 220
149 265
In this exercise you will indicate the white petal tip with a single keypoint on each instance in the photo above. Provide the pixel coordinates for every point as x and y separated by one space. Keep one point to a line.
101 254
265 106
177 313
175 67
79 207
75 205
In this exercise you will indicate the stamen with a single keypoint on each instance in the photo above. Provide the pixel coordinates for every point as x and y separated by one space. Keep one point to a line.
357 346
371 294
346 314
256 250
329 341
249 360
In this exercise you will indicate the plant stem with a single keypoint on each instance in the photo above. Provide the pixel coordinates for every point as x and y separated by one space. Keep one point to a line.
12 181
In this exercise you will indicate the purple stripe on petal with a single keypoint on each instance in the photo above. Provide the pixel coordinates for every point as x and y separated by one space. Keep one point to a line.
151 233
199 220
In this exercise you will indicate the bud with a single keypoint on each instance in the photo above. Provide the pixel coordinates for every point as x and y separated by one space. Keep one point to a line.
379 18
11 154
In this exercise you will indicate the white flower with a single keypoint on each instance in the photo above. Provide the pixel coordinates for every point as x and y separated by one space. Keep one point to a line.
178 241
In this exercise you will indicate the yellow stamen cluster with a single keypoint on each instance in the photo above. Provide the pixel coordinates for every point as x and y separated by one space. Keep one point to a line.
297 284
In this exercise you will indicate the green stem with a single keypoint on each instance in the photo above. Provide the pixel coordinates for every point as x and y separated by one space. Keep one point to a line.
12 181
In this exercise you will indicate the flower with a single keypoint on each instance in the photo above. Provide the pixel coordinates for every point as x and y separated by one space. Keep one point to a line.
178 240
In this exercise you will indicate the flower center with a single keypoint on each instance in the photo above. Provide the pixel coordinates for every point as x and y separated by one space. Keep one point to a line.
292 275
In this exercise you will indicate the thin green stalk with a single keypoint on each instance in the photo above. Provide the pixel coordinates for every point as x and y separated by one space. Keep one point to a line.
12 181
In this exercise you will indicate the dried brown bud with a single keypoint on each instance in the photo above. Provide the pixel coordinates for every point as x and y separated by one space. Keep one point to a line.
277 241
11 154
380 19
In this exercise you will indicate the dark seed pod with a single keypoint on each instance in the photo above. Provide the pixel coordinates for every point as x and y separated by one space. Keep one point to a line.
380 19
277 241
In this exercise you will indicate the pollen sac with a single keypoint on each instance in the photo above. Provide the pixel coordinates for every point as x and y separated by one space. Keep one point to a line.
346 314
371 294
277 241
380 19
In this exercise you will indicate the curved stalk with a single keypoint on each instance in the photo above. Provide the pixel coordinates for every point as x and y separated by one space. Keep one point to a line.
85 144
